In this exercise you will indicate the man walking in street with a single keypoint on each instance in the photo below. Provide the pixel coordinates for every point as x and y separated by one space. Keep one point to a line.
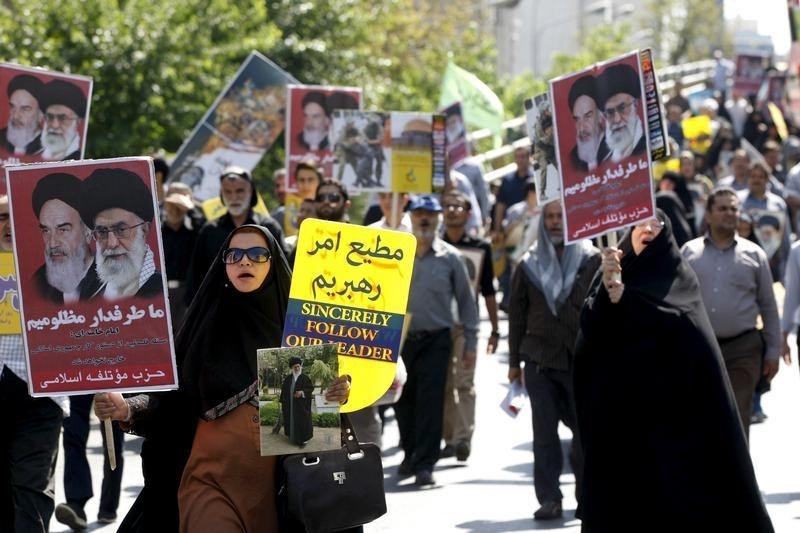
439 277
459 402
547 292
736 286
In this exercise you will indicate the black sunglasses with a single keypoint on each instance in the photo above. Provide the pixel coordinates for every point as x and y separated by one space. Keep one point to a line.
256 254
329 197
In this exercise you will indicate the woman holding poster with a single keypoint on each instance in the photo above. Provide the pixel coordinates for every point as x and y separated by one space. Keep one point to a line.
653 398
225 483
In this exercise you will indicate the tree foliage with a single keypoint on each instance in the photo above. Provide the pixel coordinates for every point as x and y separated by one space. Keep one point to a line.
686 30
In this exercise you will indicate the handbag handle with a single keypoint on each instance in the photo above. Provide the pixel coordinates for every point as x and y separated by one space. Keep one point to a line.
349 437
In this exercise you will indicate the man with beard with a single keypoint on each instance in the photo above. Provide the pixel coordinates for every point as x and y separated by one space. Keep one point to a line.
315 122
439 276
119 209
590 147
238 195
65 105
331 201
547 291
618 95
296 397
67 274
24 116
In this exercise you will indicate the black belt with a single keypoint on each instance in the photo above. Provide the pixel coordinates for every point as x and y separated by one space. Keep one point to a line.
726 340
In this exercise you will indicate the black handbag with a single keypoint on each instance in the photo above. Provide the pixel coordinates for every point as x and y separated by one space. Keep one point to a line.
337 489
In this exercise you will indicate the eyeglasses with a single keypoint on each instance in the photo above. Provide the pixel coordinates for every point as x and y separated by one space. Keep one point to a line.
622 109
120 231
653 224
61 118
454 208
329 197
256 254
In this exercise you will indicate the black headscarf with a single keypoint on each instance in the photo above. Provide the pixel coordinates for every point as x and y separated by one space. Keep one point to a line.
216 346
654 402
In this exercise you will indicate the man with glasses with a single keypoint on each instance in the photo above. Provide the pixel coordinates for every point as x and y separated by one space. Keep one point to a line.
590 147
332 201
68 273
25 117
736 286
65 105
119 209
619 94
459 400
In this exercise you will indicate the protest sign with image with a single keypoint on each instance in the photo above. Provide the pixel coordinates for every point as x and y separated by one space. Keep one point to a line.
539 116
455 134
750 72
44 116
241 125
293 411
93 294
418 149
363 150
350 287
769 228
604 159
308 121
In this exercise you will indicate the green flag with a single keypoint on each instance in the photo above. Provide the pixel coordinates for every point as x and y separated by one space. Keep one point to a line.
482 108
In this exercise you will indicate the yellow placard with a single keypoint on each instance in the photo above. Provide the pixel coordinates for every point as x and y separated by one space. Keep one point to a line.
10 323
291 206
777 118
350 286
697 131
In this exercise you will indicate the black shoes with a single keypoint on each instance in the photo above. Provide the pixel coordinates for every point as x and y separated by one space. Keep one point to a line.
71 516
462 451
548 511
424 477
106 517
447 452
405 469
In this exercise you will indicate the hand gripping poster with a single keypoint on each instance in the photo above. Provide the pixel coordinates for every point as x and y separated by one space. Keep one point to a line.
90 265
602 144
350 287
44 115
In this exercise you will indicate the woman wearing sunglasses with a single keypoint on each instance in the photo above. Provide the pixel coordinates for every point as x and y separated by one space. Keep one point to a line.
202 441
654 405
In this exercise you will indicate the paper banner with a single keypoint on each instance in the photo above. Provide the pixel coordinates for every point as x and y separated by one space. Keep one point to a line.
350 286
9 297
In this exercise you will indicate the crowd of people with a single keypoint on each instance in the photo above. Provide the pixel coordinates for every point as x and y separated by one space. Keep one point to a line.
704 266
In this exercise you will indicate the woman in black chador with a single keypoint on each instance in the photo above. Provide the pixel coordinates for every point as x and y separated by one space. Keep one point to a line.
664 447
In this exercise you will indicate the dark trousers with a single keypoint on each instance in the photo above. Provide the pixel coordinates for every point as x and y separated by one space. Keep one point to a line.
742 356
77 474
28 452
552 400
419 410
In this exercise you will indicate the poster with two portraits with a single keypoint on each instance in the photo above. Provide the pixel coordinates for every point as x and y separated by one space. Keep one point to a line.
92 291
608 127
44 115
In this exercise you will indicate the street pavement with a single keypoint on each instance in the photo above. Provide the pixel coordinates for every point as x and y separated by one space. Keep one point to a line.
493 490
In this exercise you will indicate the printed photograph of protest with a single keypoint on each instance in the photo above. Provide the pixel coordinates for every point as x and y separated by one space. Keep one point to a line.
93 294
539 117
44 115
309 113
602 147
241 125
294 414
363 148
